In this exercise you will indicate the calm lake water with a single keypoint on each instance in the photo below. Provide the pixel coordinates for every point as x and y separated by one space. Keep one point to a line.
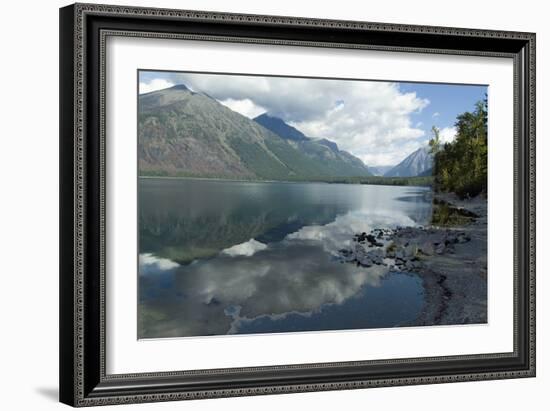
226 257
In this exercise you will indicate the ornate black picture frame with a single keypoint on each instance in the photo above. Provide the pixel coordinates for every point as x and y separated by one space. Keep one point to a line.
83 31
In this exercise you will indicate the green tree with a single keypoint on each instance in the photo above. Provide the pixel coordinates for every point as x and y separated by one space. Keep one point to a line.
461 165
435 143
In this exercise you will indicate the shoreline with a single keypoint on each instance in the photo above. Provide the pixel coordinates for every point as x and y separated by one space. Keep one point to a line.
451 261
381 182
455 281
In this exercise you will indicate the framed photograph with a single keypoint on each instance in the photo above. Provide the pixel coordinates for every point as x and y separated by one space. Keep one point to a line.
261 204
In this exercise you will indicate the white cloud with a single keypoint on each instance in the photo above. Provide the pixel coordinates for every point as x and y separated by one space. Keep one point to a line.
392 154
154 85
372 120
246 107
436 114
447 134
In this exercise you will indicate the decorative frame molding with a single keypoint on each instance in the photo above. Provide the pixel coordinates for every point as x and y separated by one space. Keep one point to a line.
83 32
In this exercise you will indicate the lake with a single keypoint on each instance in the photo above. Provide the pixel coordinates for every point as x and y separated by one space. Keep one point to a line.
231 257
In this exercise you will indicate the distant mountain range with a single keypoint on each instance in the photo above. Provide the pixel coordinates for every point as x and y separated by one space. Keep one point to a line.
183 133
379 170
335 162
279 127
420 162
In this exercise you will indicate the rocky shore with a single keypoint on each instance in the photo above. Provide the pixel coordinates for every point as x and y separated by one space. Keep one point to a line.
451 260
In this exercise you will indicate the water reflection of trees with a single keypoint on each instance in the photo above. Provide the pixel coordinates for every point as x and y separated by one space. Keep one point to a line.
188 219
298 274
290 266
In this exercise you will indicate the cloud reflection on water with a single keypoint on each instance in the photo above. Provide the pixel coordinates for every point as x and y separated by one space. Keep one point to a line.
247 249
287 268
296 275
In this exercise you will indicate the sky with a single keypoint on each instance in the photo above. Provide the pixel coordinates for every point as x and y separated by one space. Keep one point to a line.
379 122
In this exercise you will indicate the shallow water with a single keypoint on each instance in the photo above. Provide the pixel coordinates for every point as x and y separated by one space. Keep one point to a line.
222 257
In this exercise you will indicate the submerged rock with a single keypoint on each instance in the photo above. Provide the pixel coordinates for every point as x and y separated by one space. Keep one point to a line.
426 248
406 246
376 256
463 238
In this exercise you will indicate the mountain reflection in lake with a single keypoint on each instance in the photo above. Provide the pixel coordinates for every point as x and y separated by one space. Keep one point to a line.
225 257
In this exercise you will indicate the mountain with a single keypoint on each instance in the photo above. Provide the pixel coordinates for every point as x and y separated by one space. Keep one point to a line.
185 133
338 163
414 164
379 170
279 127
327 143
427 173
